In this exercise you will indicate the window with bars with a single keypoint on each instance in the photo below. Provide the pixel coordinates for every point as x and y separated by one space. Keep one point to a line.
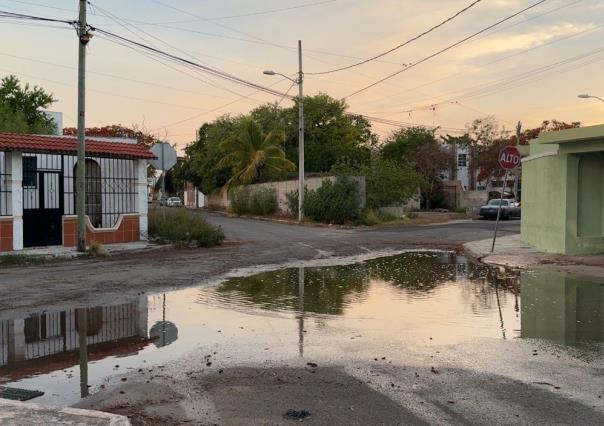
5 186
462 160
111 188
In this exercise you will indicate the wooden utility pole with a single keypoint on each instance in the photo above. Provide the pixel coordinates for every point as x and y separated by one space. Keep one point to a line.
83 38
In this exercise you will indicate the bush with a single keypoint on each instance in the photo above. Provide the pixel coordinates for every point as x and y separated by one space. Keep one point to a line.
240 200
262 201
371 218
388 183
292 202
183 228
333 202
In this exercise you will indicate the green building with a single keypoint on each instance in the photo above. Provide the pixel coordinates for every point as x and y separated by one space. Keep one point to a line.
563 192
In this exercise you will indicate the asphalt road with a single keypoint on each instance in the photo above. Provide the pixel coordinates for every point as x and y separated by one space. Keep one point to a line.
455 233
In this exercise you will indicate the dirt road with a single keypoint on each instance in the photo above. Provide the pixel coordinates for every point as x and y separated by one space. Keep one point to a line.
250 243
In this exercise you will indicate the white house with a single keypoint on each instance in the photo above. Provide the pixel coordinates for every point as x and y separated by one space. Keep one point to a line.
38 190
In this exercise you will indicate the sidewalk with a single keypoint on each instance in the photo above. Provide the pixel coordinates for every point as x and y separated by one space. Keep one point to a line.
25 413
511 251
61 252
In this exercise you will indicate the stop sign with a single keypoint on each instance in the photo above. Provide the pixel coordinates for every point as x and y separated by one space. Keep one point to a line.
509 158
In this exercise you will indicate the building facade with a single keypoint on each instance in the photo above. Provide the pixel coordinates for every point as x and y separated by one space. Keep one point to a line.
38 191
563 204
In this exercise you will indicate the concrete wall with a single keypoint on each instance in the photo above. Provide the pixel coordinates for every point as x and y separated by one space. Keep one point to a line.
282 188
544 199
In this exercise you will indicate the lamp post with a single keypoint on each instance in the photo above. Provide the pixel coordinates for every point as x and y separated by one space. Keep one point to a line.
300 82
586 96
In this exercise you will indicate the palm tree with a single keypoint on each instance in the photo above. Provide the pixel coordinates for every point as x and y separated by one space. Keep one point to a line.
253 155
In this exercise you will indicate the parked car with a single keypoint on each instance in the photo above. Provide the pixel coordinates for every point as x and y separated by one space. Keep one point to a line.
509 209
163 201
173 202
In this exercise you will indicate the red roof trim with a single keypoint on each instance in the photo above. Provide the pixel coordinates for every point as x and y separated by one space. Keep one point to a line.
68 145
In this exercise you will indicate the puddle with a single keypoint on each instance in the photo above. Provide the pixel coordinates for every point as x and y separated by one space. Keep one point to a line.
397 305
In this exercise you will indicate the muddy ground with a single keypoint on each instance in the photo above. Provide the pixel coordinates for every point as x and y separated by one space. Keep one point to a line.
486 381
250 244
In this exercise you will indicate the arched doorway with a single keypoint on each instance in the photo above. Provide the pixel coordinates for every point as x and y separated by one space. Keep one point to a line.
94 193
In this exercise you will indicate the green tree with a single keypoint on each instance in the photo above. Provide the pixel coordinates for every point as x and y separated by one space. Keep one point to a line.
331 134
418 147
387 183
254 156
21 108
202 165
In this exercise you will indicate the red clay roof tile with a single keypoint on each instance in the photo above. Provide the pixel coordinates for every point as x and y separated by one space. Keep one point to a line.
68 145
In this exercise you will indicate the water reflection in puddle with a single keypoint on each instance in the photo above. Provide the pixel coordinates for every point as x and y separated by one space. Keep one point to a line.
338 312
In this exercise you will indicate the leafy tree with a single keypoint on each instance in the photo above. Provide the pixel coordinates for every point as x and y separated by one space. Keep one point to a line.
330 133
387 183
485 139
254 156
203 158
417 147
21 108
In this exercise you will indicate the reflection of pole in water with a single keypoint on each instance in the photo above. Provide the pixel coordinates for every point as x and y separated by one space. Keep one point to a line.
301 311
516 291
82 335
499 305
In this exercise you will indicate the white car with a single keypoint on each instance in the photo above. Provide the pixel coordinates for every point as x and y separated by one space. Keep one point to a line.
173 202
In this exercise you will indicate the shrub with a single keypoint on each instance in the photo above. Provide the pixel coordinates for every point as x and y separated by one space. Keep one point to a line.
183 228
333 202
388 183
261 201
292 201
95 249
371 218
240 200
264 201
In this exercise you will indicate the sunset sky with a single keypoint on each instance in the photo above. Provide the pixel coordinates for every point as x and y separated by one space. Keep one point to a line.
530 68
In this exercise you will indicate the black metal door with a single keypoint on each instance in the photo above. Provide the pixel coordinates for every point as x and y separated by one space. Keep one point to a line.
42 210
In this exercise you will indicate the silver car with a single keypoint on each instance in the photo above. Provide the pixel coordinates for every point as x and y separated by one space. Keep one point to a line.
173 202
509 209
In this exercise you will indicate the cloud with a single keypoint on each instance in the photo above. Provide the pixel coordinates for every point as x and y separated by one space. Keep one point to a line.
493 45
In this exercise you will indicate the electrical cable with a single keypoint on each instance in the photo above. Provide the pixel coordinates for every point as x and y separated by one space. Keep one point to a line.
451 46
411 40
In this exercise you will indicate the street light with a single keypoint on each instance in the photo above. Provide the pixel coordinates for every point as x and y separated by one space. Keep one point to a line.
586 96
300 82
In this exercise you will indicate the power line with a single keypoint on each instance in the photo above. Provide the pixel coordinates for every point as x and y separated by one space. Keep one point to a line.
452 46
507 83
505 57
14 15
262 12
411 40
212 71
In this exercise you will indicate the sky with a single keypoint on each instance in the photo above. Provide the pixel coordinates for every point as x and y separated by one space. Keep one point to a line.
530 68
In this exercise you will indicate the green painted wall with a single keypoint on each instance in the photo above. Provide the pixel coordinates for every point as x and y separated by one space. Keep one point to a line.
563 192
543 222
561 308
585 204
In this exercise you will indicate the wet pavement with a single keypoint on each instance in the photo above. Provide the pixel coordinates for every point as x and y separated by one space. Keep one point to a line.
429 336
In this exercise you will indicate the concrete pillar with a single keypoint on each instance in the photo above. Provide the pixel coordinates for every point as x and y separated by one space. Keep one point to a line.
143 207
15 168
16 341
